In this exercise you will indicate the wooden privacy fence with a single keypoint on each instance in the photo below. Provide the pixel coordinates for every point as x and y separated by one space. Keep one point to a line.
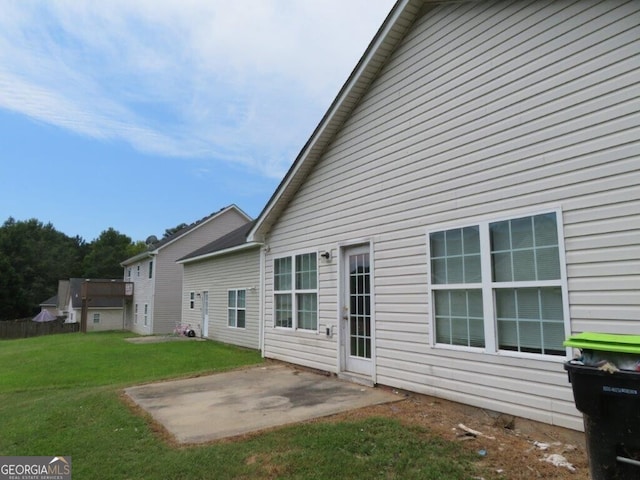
11 329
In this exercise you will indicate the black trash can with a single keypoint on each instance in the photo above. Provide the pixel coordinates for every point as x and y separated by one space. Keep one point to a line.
609 399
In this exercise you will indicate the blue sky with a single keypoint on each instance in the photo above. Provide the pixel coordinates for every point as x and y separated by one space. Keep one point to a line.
140 115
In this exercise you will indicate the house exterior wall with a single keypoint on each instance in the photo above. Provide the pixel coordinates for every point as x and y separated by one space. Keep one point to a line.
486 110
168 282
217 275
143 294
110 319
162 293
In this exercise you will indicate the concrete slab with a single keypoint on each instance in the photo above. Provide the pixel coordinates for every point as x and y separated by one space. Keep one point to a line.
202 409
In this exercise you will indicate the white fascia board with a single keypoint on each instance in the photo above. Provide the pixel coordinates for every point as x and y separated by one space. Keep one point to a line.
140 256
343 95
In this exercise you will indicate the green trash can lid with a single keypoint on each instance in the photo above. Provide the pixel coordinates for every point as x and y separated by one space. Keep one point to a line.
605 341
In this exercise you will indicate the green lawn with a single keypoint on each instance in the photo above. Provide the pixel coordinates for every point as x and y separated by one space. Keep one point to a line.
59 395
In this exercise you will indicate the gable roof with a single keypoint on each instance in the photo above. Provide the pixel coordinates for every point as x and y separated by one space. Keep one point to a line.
155 247
50 302
389 36
231 242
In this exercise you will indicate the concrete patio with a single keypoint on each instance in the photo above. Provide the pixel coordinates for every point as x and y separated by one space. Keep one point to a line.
203 409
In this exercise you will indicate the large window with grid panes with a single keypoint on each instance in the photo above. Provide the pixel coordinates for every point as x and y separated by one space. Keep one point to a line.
295 298
500 285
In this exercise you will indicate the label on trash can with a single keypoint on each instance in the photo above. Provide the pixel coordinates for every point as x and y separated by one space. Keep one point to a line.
619 390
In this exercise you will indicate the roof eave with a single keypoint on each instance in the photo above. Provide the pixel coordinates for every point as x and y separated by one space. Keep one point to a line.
390 34
138 257
219 253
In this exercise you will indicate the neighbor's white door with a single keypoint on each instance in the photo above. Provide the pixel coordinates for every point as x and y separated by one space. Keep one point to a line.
356 310
205 314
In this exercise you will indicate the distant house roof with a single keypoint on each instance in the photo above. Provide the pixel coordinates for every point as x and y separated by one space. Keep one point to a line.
75 292
154 247
232 241
50 302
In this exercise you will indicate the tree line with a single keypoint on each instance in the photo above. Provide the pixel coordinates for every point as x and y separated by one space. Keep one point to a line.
34 256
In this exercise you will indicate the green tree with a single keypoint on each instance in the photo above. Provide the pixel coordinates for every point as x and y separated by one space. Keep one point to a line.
106 252
33 256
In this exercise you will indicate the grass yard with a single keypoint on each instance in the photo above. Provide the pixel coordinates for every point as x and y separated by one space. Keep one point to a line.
59 395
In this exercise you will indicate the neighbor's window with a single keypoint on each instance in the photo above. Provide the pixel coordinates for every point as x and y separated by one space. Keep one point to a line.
96 318
135 317
517 264
295 284
192 300
150 268
236 308
146 314
129 273
138 270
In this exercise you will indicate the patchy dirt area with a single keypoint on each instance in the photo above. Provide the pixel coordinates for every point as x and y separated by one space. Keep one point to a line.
510 448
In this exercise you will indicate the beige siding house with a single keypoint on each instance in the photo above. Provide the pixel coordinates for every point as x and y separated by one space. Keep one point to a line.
102 313
157 278
221 292
471 197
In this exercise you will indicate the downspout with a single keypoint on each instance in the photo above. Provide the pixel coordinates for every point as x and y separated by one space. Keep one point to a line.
261 297
152 304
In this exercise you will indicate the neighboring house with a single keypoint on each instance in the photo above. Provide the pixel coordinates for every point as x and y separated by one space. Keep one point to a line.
157 278
470 199
221 289
102 313
51 306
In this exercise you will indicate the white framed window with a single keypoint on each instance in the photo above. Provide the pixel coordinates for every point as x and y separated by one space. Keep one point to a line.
96 318
237 308
138 270
135 315
192 300
146 314
500 285
295 284
150 268
129 273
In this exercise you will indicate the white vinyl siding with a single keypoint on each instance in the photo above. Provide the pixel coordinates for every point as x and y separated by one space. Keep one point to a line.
484 110
218 275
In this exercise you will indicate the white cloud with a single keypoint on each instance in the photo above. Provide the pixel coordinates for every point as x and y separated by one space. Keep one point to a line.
242 82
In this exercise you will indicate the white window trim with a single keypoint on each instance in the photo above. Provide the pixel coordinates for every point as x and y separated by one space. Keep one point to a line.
96 318
146 314
236 308
135 315
192 300
487 286
293 292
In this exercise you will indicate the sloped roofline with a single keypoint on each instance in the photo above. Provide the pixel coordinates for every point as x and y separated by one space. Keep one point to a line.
389 35
156 247
233 241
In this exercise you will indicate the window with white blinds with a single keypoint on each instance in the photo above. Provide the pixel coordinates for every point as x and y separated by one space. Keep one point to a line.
499 285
